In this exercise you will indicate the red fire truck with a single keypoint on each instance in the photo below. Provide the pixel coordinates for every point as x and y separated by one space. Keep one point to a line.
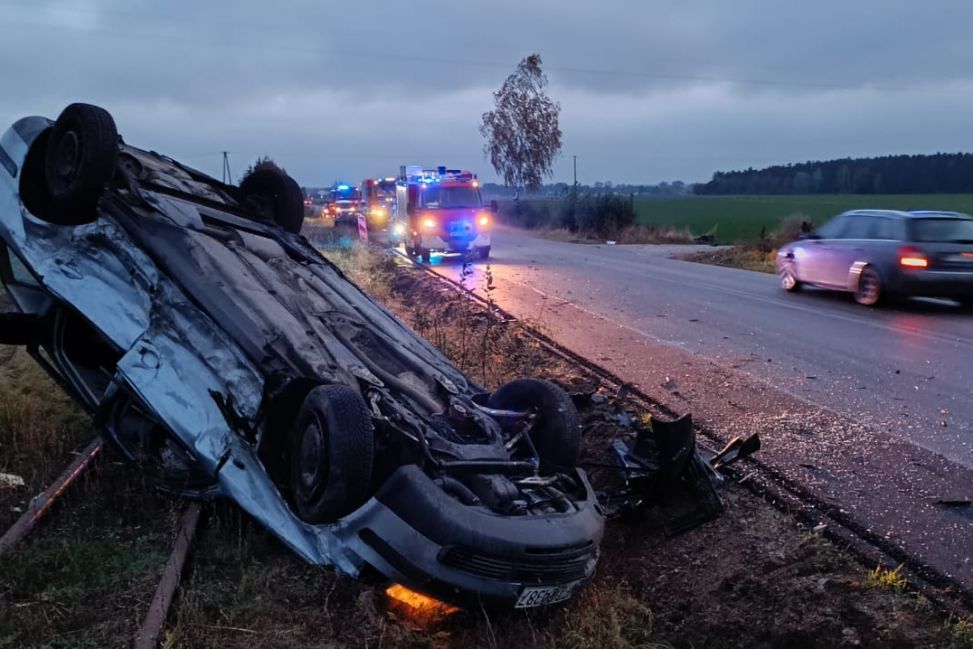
377 197
440 210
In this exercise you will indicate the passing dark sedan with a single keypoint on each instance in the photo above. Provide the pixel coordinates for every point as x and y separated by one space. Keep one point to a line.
878 254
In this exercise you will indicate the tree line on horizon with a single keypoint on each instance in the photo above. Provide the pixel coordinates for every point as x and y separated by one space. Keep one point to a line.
940 173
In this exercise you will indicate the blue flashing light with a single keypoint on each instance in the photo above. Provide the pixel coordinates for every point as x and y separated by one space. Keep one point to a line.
343 187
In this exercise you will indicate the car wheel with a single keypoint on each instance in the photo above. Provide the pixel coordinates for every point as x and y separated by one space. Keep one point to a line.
556 432
82 150
483 252
788 278
273 191
331 454
869 289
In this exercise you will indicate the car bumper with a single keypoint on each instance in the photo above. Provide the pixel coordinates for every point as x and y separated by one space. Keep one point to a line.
416 534
440 244
934 283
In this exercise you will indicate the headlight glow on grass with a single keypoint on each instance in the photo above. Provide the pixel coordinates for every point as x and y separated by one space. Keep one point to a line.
419 609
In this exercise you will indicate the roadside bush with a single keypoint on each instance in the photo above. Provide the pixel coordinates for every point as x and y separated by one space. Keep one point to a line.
602 215
530 214
597 215
788 230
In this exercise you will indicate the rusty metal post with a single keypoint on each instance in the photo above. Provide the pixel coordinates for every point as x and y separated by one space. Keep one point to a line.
43 501
148 634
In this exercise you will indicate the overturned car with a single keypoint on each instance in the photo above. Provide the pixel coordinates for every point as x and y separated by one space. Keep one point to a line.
211 343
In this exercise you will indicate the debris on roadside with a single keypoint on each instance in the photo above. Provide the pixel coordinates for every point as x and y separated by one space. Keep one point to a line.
11 481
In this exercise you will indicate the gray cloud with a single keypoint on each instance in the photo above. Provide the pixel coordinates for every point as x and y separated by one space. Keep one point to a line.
649 91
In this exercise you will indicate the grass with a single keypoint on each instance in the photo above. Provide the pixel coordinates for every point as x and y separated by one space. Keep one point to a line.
612 619
85 576
745 257
959 630
738 218
885 578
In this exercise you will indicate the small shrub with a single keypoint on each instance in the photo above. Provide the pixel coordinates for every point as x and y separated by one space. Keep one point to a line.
893 579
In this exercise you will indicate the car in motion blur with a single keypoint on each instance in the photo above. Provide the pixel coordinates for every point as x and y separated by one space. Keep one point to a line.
216 348
882 254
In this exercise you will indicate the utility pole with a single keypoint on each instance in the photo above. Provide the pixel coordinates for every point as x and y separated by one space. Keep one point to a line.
227 178
575 170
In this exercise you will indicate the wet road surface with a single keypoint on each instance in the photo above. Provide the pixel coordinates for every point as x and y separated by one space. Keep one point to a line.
907 368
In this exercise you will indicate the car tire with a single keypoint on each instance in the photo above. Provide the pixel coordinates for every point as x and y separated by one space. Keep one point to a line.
332 449
483 252
82 151
556 433
868 291
267 186
787 277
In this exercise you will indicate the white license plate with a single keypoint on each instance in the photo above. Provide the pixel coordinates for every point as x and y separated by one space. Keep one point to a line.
532 596
964 257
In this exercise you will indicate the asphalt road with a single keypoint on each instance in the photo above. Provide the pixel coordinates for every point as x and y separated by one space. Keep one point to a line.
907 369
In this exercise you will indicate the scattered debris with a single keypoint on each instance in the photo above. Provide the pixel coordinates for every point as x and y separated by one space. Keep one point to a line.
11 481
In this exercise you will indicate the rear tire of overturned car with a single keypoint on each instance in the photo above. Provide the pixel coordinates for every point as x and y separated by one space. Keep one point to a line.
82 151
331 451
556 433
274 188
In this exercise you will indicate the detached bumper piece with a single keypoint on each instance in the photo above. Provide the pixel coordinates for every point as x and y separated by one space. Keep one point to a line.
665 468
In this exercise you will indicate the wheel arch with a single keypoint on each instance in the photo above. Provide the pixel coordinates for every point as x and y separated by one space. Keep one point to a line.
855 273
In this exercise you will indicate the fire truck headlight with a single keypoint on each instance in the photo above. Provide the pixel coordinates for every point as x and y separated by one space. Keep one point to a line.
483 220
429 222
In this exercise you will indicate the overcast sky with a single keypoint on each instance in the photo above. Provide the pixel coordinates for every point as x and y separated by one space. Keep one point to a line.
649 91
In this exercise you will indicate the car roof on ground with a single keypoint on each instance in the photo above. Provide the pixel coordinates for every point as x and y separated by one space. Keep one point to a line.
911 214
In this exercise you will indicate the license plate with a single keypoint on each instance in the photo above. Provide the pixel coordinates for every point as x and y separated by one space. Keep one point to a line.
532 596
963 256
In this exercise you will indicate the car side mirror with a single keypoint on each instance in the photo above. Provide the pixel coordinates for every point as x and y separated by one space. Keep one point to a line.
494 207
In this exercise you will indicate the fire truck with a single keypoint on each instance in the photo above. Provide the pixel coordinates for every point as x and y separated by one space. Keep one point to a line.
377 198
440 210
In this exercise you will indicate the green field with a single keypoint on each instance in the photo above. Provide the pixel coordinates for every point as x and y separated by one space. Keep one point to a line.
736 218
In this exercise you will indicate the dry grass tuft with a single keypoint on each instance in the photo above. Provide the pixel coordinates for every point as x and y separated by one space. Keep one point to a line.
604 617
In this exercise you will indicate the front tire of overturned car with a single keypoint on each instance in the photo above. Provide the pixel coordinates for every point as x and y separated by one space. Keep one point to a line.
331 452
556 432
79 162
